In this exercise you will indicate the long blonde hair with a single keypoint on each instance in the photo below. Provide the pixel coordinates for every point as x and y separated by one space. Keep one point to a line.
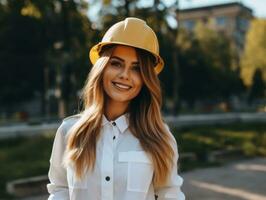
145 120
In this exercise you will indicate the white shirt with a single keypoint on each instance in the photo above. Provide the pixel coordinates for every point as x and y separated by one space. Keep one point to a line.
123 170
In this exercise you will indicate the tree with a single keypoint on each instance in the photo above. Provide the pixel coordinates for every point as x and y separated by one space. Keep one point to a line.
258 88
21 53
215 46
205 66
39 39
255 50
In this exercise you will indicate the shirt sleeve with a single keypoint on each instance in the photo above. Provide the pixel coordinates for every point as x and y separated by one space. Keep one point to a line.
172 189
58 186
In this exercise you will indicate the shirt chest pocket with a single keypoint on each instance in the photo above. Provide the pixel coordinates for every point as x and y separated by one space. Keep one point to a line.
139 171
74 182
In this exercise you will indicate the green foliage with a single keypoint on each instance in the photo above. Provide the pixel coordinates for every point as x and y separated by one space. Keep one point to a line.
23 157
21 52
214 46
258 88
205 58
255 50
29 38
242 137
247 139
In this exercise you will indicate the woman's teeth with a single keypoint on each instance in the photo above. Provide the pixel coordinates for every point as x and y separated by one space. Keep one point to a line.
122 86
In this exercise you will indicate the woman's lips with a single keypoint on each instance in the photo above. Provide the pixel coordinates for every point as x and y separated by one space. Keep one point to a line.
121 86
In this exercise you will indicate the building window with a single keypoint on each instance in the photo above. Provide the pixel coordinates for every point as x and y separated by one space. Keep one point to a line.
189 24
221 21
243 24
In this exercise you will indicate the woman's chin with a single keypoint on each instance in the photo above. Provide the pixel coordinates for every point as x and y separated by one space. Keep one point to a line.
119 99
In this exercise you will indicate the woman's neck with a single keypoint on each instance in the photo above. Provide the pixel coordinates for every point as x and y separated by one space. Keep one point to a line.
114 109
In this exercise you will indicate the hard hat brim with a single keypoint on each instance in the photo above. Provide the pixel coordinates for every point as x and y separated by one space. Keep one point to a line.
95 50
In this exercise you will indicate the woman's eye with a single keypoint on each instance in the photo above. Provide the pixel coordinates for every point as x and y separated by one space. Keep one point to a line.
136 68
115 63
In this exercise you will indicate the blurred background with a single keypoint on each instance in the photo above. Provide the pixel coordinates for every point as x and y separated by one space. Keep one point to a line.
213 84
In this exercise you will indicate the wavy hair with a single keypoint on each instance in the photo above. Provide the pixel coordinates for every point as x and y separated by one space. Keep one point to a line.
145 120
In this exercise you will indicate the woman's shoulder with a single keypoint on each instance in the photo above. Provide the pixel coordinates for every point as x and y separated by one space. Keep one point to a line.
68 122
168 129
71 118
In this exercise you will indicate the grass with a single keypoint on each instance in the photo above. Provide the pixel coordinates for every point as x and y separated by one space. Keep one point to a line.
248 139
29 156
23 157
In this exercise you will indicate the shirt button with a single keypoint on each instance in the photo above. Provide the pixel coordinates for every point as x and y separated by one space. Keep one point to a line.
114 124
107 178
113 137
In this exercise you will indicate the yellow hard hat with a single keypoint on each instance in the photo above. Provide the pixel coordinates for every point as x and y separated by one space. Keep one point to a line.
132 32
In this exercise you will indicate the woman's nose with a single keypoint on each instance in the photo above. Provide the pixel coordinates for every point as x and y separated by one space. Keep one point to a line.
124 74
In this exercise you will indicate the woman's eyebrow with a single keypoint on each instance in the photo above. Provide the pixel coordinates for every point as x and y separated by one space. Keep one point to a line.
122 60
118 58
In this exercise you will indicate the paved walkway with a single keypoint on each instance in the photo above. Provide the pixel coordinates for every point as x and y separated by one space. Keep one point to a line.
242 180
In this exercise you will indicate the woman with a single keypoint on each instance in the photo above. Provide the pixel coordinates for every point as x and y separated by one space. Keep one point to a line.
118 147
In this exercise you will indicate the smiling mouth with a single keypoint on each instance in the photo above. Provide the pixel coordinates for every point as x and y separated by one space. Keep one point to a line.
121 86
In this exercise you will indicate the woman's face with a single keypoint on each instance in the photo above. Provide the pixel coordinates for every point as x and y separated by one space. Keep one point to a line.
122 79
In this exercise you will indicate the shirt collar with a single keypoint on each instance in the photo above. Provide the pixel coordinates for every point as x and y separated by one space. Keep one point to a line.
121 122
